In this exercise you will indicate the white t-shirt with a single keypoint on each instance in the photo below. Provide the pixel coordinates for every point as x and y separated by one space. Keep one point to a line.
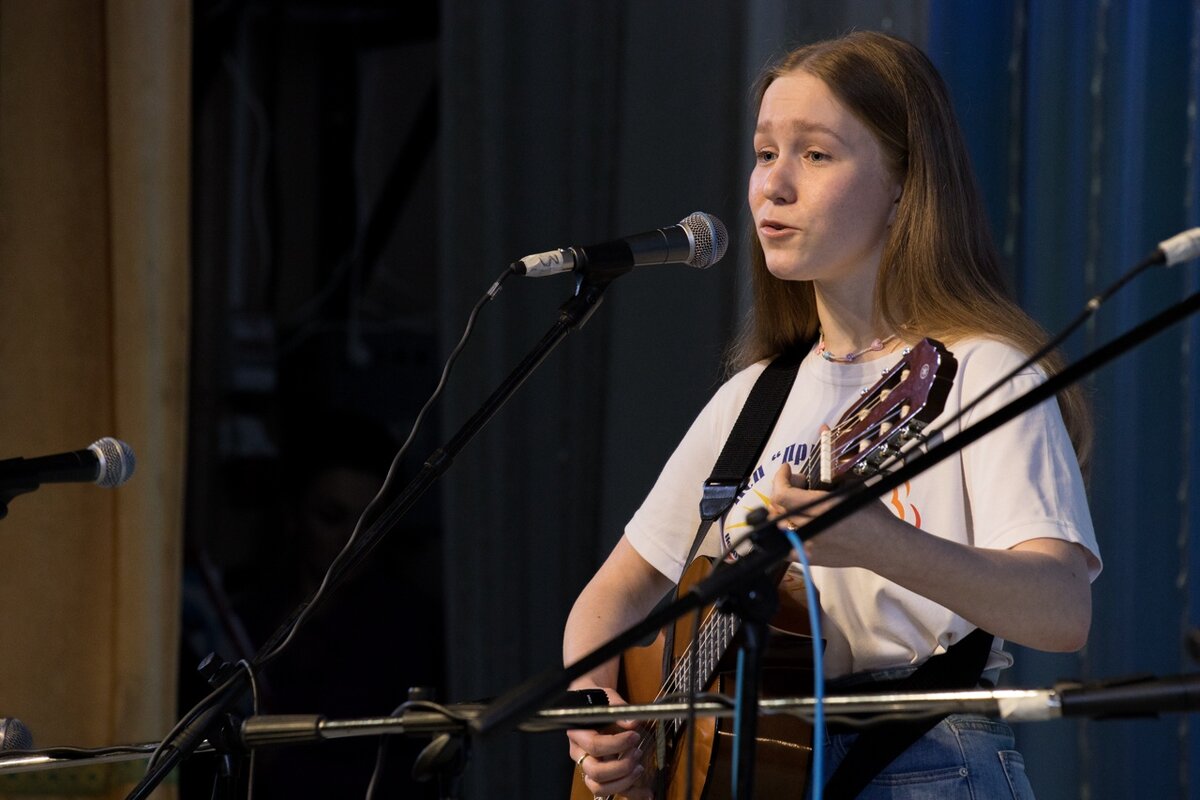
1018 483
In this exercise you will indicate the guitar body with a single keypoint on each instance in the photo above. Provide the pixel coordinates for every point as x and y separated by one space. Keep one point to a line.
783 744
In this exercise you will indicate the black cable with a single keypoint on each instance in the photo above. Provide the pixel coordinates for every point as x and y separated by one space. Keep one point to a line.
305 610
381 750
393 471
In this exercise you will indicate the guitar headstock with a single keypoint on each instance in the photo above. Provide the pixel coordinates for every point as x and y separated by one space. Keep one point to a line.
888 415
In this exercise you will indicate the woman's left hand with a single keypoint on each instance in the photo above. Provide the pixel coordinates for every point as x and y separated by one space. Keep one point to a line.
846 544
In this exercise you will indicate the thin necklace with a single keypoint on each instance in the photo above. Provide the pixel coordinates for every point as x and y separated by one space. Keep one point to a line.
873 347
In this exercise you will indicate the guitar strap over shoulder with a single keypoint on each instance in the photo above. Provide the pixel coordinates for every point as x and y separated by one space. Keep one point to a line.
740 454
747 439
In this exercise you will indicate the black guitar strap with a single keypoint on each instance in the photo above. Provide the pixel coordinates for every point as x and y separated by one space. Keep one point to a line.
740 454
749 436
960 667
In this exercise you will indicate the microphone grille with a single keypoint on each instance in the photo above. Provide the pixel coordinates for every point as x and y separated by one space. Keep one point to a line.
14 735
710 237
116 461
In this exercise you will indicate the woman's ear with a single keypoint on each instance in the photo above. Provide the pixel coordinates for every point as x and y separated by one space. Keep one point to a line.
895 206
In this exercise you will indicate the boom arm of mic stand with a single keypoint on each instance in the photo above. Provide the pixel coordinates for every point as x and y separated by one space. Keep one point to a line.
571 315
1152 696
574 313
522 701
589 292
1174 694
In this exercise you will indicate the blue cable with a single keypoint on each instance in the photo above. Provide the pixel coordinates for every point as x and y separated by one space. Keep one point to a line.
814 623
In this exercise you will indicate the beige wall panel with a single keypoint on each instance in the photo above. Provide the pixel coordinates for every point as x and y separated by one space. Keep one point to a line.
94 276
56 393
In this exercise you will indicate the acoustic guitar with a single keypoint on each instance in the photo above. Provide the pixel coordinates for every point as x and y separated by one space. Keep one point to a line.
871 435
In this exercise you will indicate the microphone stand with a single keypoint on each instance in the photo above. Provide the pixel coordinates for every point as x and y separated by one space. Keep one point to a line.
574 313
756 603
12 490
773 546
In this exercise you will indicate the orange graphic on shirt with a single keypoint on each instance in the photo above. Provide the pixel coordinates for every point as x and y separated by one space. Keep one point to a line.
901 505
764 502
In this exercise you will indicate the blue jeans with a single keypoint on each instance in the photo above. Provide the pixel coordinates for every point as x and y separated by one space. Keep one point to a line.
967 757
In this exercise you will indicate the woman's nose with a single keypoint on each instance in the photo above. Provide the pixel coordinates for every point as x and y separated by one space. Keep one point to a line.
777 184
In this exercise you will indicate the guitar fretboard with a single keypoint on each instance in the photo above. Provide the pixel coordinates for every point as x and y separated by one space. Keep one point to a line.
705 653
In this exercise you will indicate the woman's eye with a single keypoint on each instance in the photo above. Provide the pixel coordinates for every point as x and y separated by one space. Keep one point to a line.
817 155
764 156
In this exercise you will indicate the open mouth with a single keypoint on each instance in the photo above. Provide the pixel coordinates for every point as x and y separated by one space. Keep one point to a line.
770 227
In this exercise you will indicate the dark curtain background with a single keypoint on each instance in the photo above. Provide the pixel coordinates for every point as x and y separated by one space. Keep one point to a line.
365 174
1082 121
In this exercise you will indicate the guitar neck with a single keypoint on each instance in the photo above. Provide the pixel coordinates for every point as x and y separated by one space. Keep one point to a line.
704 653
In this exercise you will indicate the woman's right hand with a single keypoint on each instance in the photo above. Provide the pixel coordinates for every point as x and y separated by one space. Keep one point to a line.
620 594
610 760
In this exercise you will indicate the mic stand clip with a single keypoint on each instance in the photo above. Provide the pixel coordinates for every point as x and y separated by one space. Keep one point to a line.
12 490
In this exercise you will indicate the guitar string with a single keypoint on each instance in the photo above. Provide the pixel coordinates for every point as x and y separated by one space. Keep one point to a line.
811 466
710 632
716 626
853 418
671 682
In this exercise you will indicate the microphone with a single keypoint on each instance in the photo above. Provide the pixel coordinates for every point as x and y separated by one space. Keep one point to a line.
1180 247
698 240
108 462
14 735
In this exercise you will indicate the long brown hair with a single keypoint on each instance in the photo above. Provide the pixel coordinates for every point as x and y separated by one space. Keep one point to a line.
940 273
